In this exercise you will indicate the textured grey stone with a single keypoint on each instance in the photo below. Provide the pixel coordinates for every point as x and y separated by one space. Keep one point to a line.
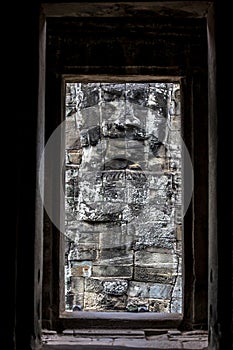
152 274
160 291
116 287
113 271
123 194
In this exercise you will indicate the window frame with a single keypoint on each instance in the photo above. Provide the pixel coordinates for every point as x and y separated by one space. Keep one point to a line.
193 90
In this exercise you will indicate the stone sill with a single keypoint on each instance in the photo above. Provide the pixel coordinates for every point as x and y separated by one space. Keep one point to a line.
121 315
156 339
119 320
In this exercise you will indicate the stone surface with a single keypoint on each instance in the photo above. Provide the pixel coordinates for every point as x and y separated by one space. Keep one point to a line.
123 193
156 339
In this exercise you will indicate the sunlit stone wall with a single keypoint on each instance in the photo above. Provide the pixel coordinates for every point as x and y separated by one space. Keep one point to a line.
123 197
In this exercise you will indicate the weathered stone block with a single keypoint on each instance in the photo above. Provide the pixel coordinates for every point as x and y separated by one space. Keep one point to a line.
98 212
158 305
161 291
91 159
153 234
71 132
113 271
177 304
138 289
84 251
81 269
91 115
158 214
77 284
115 287
157 198
174 137
136 154
136 301
115 256
90 188
150 274
137 195
114 239
93 285
175 123
115 147
104 302
160 260
87 237
159 181
71 234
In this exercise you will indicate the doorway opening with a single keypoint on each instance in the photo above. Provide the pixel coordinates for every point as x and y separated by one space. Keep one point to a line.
123 197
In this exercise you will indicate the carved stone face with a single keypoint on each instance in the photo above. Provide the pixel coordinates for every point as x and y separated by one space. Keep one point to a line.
114 155
117 138
120 190
123 162
116 190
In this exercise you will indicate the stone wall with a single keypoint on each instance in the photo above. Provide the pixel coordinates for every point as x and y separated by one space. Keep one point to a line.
123 197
